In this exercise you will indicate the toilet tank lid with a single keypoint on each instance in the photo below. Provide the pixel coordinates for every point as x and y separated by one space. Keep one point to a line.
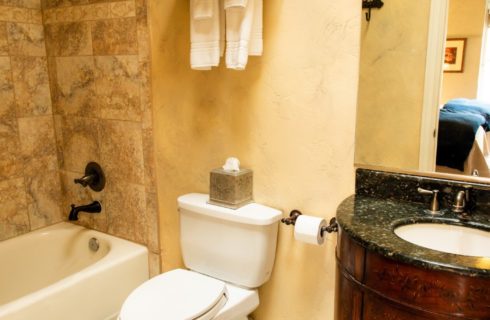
252 213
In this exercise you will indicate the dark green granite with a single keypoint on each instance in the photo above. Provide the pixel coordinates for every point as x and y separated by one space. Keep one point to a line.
370 219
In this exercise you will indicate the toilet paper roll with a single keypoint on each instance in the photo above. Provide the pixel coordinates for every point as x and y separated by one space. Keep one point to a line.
308 229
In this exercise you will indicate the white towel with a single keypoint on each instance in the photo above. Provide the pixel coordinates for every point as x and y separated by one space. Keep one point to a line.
202 9
235 3
205 35
256 47
238 30
222 27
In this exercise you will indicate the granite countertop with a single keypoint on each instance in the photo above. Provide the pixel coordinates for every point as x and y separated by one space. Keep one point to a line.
370 221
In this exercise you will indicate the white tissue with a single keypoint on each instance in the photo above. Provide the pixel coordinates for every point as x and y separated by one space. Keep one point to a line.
232 164
309 229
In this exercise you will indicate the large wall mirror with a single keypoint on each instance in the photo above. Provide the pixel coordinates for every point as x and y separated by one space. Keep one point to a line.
424 88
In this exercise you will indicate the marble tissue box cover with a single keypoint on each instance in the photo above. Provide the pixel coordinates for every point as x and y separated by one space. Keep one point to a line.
231 189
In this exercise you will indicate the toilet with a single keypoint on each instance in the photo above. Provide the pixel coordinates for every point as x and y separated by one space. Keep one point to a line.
228 255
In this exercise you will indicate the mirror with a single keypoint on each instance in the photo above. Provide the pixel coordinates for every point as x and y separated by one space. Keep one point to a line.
402 85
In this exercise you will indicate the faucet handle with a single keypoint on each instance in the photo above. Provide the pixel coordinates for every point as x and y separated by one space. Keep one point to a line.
426 191
94 177
434 204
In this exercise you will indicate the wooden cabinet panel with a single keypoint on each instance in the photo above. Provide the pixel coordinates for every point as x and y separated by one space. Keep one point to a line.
377 309
436 291
370 286
350 306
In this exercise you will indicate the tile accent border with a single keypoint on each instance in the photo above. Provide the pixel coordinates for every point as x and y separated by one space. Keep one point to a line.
91 12
15 14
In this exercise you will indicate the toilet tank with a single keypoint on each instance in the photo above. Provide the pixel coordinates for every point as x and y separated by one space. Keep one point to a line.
237 246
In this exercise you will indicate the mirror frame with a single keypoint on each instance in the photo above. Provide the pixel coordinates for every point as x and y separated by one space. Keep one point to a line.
438 17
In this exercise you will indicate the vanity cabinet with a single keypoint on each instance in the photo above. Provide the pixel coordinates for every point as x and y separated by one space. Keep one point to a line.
370 286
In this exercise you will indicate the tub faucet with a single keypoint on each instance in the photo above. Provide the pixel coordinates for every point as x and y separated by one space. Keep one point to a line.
94 207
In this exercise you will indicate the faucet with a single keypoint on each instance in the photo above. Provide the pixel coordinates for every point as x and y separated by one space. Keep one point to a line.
94 207
459 202
434 204
462 202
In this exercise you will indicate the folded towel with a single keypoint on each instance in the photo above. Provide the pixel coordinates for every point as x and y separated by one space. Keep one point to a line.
235 3
256 47
238 30
222 27
202 9
205 37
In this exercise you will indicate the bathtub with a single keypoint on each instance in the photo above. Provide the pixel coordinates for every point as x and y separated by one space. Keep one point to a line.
52 273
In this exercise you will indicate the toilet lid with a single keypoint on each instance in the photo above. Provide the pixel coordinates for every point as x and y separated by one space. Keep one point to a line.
178 295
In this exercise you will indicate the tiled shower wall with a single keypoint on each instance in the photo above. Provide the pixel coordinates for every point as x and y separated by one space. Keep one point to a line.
29 179
98 62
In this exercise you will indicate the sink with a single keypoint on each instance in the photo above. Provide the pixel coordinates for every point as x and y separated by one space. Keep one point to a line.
447 238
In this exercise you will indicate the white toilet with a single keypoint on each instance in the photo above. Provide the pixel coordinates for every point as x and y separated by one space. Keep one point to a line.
229 253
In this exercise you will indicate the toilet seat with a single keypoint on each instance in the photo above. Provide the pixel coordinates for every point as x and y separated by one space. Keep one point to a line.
178 294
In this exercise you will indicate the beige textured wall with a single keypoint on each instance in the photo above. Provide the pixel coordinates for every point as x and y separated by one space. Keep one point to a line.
99 74
289 116
391 83
466 20
29 180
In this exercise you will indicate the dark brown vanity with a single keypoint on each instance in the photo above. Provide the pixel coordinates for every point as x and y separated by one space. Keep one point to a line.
381 276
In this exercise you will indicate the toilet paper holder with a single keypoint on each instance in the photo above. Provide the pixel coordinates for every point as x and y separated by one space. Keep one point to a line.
333 226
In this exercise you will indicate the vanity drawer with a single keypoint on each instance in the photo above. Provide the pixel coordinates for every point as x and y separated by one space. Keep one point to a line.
429 290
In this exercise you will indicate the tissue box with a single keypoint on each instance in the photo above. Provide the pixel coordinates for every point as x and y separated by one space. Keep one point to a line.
230 189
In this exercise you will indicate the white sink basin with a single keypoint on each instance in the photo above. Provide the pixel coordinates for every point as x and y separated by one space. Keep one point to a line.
447 238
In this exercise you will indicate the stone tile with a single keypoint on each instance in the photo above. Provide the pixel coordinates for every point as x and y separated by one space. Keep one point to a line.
121 151
121 9
33 4
36 16
14 219
96 12
80 142
143 42
26 39
68 39
141 7
75 194
25 15
4 46
31 83
65 14
11 164
58 134
61 3
153 264
149 160
43 197
53 76
12 14
153 241
145 95
115 36
6 96
38 144
125 206
10 157
118 87
75 86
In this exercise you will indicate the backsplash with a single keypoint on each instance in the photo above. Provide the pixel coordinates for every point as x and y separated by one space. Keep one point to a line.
78 91
398 186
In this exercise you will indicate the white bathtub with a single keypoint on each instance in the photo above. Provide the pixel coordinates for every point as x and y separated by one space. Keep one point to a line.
52 274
